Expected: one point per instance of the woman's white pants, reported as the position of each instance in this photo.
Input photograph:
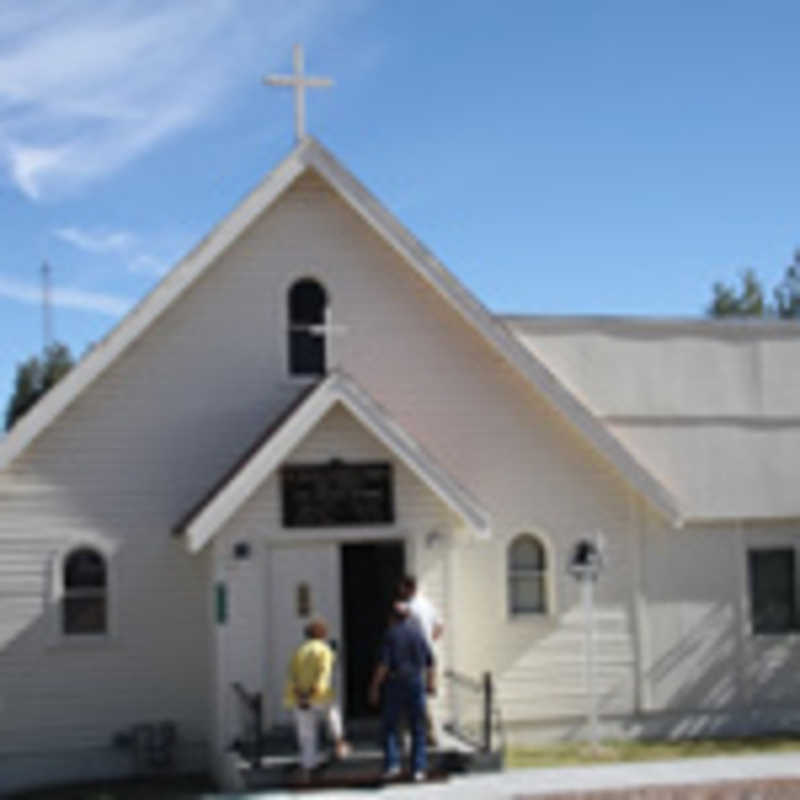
(306, 722)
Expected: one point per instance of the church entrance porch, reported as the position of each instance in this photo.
(351, 585)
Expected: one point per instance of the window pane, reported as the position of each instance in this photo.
(84, 568)
(306, 353)
(84, 614)
(306, 303)
(526, 553)
(527, 593)
(337, 493)
(772, 590)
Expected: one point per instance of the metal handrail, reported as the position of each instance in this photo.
(491, 717)
(252, 702)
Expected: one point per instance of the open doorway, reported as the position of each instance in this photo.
(370, 572)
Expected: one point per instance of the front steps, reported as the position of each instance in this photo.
(277, 766)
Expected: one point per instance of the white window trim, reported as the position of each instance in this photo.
(58, 638)
(547, 574)
(283, 316)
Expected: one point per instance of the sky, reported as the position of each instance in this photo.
(565, 157)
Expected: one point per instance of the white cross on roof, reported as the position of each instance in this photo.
(300, 82)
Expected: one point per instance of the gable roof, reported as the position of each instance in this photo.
(272, 448)
(310, 155)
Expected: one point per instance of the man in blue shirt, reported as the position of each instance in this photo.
(405, 670)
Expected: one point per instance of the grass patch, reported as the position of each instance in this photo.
(145, 789)
(576, 753)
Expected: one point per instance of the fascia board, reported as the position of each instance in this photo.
(543, 380)
(255, 472)
(183, 275)
(397, 441)
(310, 154)
(334, 389)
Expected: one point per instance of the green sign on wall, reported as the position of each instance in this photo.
(221, 603)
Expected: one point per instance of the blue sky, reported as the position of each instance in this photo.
(559, 157)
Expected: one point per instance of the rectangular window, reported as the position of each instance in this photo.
(320, 495)
(772, 590)
(527, 592)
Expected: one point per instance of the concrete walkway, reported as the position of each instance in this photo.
(575, 782)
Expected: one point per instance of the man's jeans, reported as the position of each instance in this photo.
(404, 696)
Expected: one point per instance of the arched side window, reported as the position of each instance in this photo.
(308, 301)
(84, 603)
(527, 576)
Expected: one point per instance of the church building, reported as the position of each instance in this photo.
(310, 404)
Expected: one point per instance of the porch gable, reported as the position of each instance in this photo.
(229, 495)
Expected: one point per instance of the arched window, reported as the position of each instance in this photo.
(527, 576)
(84, 602)
(307, 303)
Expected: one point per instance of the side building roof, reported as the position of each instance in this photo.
(712, 406)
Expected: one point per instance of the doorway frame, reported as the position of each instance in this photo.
(403, 544)
(346, 535)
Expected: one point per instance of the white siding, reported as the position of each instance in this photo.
(148, 438)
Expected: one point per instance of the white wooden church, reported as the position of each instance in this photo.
(310, 403)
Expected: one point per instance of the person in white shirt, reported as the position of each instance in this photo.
(424, 614)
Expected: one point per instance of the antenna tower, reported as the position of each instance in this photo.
(47, 319)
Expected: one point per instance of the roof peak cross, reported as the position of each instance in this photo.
(299, 81)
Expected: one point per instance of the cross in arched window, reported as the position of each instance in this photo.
(329, 330)
(311, 329)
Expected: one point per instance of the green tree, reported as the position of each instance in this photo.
(35, 377)
(787, 292)
(746, 301)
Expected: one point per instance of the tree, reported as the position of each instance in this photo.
(787, 292)
(35, 378)
(746, 302)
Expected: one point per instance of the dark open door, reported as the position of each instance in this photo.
(370, 573)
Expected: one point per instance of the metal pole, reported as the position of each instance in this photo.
(588, 610)
(487, 712)
(47, 325)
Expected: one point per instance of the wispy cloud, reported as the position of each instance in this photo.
(145, 264)
(87, 85)
(62, 297)
(97, 242)
(127, 246)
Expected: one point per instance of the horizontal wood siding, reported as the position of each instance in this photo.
(146, 441)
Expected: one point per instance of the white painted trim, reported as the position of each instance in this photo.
(551, 611)
(494, 331)
(344, 535)
(637, 522)
(310, 154)
(411, 454)
(144, 314)
(336, 388)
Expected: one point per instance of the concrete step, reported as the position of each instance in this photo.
(278, 765)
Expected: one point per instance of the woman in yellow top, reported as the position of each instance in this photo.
(310, 695)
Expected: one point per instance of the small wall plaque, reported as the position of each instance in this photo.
(303, 600)
(221, 603)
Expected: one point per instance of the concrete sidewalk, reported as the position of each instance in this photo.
(759, 776)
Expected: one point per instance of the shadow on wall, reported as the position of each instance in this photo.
(719, 680)
(714, 681)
